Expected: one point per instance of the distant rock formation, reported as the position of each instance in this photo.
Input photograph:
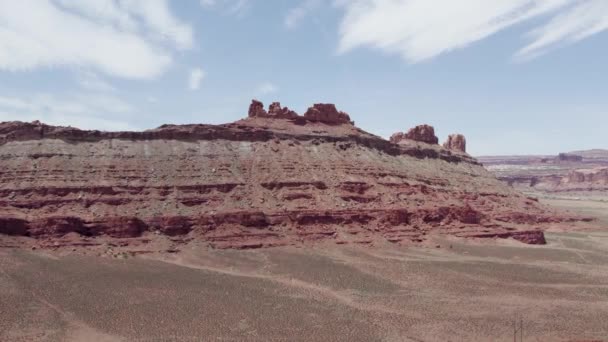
(272, 179)
(597, 176)
(327, 113)
(566, 157)
(256, 110)
(456, 142)
(579, 174)
(275, 110)
(421, 133)
(321, 112)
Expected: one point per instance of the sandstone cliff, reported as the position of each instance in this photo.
(275, 178)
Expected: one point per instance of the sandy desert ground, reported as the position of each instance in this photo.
(462, 291)
(597, 208)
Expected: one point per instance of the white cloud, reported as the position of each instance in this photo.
(87, 111)
(122, 38)
(207, 3)
(296, 14)
(580, 22)
(266, 88)
(422, 29)
(91, 81)
(195, 78)
(238, 8)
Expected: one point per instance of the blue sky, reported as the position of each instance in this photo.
(514, 76)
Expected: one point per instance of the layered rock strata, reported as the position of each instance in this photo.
(273, 179)
(582, 174)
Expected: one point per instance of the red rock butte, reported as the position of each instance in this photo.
(456, 142)
(275, 178)
(422, 133)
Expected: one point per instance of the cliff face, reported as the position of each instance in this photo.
(275, 178)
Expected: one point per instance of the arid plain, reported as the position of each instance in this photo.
(462, 291)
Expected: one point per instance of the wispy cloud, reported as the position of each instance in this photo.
(296, 14)
(266, 88)
(195, 78)
(91, 81)
(207, 3)
(89, 34)
(422, 29)
(581, 21)
(237, 8)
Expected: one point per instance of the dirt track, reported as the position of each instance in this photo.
(470, 291)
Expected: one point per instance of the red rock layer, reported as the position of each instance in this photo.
(272, 179)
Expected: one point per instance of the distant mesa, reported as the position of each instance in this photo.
(456, 142)
(566, 157)
(577, 174)
(275, 178)
(320, 112)
(421, 133)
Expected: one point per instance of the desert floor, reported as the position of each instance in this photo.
(462, 291)
(597, 208)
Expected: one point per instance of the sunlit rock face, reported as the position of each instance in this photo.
(274, 178)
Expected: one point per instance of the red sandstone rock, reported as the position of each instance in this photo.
(422, 133)
(256, 110)
(328, 114)
(276, 111)
(254, 183)
(397, 137)
(456, 142)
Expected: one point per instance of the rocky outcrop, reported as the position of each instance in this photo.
(397, 137)
(271, 179)
(421, 133)
(256, 110)
(325, 113)
(328, 114)
(275, 111)
(456, 142)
